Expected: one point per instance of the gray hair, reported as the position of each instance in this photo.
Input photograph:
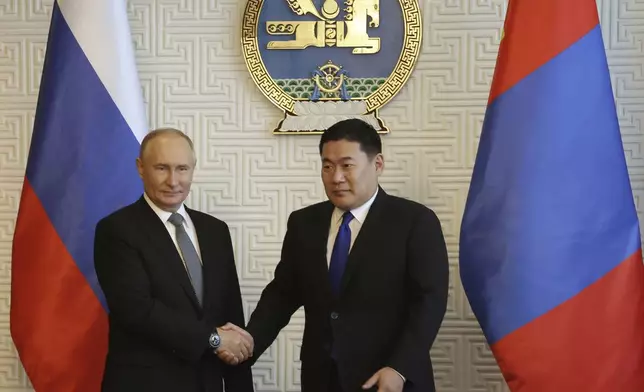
(164, 131)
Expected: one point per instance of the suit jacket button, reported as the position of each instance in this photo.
(334, 315)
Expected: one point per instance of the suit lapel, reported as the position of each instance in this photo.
(160, 238)
(320, 237)
(367, 236)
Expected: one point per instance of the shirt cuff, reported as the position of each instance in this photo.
(401, 376)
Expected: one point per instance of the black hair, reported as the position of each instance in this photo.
(354, 130)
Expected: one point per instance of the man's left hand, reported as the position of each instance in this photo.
(387, 379)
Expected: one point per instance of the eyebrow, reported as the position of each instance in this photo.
(162, 164)
(340, 160)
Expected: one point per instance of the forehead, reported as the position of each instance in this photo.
(342, 149)
(168, 147)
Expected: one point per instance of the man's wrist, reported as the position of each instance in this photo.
(214, 341)
(401, 376)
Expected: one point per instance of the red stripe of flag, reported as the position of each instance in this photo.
(60, 300)
(604, 354)
(534, 34)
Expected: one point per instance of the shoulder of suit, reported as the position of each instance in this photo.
(121, 214)
(403, 202)
(206, 218)
(389, 202)
(312, 210)
(122, 221)
(401, 206)
(132, 211)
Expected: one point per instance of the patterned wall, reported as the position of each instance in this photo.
(193, 76)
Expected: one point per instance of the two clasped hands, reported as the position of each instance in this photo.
(236, 344)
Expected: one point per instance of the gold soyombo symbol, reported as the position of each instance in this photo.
(348, 33)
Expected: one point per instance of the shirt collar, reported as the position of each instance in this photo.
(359, 213)
(165, 215)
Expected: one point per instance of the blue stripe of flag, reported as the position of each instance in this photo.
(82, 158)
(550, 208)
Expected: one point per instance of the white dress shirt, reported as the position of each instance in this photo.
(172, 230)
(359, 216)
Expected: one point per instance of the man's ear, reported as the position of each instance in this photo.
(379, 161)
(139, 166)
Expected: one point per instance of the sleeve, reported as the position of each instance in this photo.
(237, 378)
(280, 299)
(428, 284)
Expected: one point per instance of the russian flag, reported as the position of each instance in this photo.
(550, 252)
(88, 127)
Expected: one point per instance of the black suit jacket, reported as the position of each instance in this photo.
(392, 302)
(158, 332)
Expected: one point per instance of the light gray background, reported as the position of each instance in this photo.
(193, 75)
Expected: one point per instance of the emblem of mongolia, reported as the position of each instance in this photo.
(322, 61)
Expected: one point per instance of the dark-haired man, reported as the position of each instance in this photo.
(371, 271)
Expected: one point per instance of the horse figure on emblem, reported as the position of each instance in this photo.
(357, 14)
(350, 33)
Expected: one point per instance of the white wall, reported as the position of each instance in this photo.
(192, 70)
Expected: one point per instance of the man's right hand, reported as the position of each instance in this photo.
(236, 344)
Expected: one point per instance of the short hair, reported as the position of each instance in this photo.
(163, 131)
(354, 130)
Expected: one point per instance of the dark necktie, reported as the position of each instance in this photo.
(190, 255)
(340, 253)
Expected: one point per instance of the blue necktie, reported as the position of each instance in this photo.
(340, 253)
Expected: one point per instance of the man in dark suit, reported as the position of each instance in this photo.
(169, 277)
(371, 271)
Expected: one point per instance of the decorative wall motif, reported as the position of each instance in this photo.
(194, 77)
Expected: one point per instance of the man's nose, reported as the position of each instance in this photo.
(172, 179)
(338, 176)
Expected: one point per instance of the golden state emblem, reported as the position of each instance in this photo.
(322, 61)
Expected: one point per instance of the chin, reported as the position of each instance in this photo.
(341, 203)
(171, 203)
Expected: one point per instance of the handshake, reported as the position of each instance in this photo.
(236, 344)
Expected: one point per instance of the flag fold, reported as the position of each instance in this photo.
(550, 252)
(81, 166)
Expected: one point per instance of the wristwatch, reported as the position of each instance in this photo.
(214, 340)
